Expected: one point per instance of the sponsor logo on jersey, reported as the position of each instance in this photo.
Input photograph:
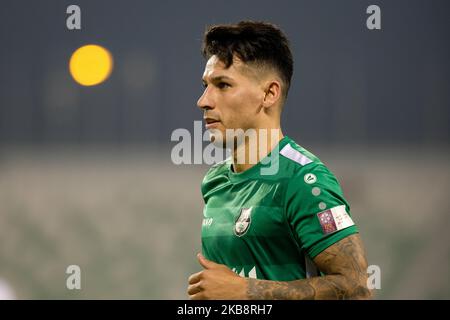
(207, 222)
(334, 219)
(310, 178)
(243, 222)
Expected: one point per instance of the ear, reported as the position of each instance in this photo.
(272, 93)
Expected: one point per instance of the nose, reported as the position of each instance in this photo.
(205, 101)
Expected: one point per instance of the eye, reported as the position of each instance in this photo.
(223, 85)
(204, 85)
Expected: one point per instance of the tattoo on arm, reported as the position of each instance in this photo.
(345, 268)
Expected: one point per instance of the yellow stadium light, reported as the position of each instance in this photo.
(90, 65)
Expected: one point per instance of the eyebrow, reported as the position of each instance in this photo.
(218, 78)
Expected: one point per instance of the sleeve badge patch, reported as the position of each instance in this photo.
(334, 219)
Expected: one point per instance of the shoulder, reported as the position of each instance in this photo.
(305, 170)
(312, 188)
(297, 160)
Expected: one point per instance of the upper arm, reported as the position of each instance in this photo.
(317, 212)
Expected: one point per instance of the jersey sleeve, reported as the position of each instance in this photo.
(316, 209)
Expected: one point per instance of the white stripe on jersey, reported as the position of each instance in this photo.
(295, 155)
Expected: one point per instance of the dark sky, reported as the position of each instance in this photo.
(350, 84)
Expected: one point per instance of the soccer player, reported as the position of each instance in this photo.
(286, 234)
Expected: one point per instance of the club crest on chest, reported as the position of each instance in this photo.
(243, 222)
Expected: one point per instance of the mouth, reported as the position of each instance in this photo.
(211, 123)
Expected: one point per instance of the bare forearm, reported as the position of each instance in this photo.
(326, 287)
(345, 266)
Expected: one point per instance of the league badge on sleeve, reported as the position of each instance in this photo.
(334, 219)
(327, 221)
(243, 222)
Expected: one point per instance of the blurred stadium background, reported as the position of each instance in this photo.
(85, 172)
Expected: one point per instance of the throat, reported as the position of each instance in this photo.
(254, 148)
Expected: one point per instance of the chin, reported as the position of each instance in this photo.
(217, 138)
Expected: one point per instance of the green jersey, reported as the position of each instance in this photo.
(271, 226)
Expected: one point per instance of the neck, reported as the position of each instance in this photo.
(255, 147)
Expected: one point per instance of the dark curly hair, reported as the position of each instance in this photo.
(261, 43)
